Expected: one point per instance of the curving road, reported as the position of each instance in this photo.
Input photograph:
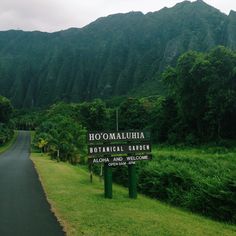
(24, 210)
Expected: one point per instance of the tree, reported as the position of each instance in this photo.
(221, 95)
(204, 89)
(6, 109)
(132, 115)
(6, 131)
(93, 115)
(42, 143)
(61, 136)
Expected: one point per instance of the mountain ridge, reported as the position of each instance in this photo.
(180, 4)
(112, 56)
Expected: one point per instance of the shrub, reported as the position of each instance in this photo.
(205, 185)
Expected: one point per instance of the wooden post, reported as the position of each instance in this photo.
(90, 173)
(107, 181)
(132, 181)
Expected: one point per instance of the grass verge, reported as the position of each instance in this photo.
(7, 145)
(82, 209)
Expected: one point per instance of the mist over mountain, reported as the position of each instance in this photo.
(116, 55)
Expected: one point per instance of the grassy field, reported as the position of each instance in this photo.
(208, 161)
(82, 209)
(220, 153)
(9, 143)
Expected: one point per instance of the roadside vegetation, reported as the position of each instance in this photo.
(82, 209)
(201, 180)
(6, 126)
(9, 143)
(192, 126)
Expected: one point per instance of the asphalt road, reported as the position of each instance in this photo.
(24, 210)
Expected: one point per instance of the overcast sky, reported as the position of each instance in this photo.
(55, 15)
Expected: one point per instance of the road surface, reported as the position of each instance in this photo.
(24, 210)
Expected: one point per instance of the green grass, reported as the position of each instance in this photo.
(206, 160)
(203, 161)
(7, 145)
(205, 152)
(82, 209)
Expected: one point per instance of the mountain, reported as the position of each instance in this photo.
(116, 55)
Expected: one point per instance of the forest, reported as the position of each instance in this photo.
(122, 54)
(192, 129)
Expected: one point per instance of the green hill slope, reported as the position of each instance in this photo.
(83, 210)
(113, 56)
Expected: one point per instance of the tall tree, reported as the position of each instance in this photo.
(221, 95)
(204, 88)
(6, 109)
(132, 114)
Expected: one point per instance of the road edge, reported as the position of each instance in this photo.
(10, 143)
(53, 209)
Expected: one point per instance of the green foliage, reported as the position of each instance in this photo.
(61, 135)
(122, 54)
(166, 183)
(201, 180)
(221, 95)
(6, 110)
(27, 119)
(6, 134)
(132, 115)
(204, 89)
(83, 209)
(6, 131)
(93, 115)
(119, 55)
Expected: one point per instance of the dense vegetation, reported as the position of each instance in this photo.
(192, 102)
(202, 180)
(203, 89)
(6, 131)
(200, 107)
(74, 200)
(112, 56)
(60, 135)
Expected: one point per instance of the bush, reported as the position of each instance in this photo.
(169, 184)
(217, 200)
(63, 138)
(5, 134)
(203, 185)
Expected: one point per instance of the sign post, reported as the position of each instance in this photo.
(107, 181)
(119, 149)
(132, 181)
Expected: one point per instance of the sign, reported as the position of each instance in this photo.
(117, 136)
(119, 159)
(119, 149)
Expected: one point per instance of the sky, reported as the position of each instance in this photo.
(56, 15)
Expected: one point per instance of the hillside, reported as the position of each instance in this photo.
(113, 56)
